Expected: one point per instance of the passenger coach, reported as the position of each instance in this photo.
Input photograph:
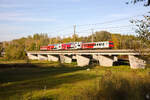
(79, 45)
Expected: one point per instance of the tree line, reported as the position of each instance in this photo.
(16, 49)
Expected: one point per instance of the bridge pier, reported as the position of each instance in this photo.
(74, 57)
(32, 56)
(82, 60)
(42, 57)
(106, 60)
(65, 59)
(115, 58)
(136, 62)
(53, 58)
(95, 56)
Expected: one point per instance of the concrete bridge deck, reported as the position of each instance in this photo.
(83, 57)
(86, 52)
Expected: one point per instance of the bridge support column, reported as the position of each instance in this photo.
(42, 57)
(65, 59)
(32, 56)
(95, 56)
(136, 62)
(82, 61)
(74, 57)
(106, 60)
(53, 58)
(115, 58)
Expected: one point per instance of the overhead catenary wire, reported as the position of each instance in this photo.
(61, 31)
(115, 27)
(116, 20)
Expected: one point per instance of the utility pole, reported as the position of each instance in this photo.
(57, 39)
(50, 39)
(36, 45)
(74, 27)
(92, 35)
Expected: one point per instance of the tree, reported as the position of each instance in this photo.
(1, 47)
(116, 40)
(102, 36)
(75, 37)
(143, 29)
(147, 2)
(16, 49)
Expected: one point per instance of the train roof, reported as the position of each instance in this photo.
(78, 42)
(96, 42)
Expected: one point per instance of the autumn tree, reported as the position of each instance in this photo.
(75, 38)
(15, 49)
(39, 40)
(102, 36)
(143, 30)
(116, 38)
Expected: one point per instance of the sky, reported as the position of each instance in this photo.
(21, 18)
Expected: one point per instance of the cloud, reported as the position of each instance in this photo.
(11, 5)
(73, 0)
(28, 19)
(23, 17)
(5, 28)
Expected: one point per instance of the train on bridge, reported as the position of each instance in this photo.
(78, 45)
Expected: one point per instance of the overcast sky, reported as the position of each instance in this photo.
(20, 18)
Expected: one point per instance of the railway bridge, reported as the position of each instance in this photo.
(83, 57)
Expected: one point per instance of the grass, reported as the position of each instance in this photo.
(54, 81)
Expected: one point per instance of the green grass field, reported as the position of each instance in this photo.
(54, 81)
